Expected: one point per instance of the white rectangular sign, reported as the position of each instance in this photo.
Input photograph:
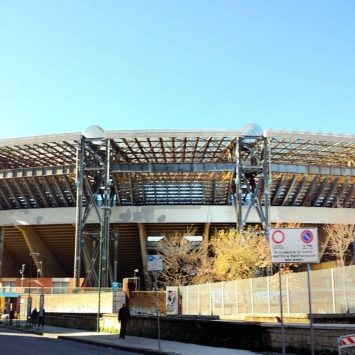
(154, 263)
(172, 302)
(294, 245)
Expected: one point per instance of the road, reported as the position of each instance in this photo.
(19, 343)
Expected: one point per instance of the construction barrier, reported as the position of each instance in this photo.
(346, 341)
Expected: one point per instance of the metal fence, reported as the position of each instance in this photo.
(332, 291)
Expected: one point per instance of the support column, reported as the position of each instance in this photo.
(34, 243)
(79, 211)
(252, 177)
(206, 231)
(143, 244)
(9, 265)
(95, 188)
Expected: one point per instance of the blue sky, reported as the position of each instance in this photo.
(67, 65)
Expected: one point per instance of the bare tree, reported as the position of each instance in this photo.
(341, 236)
(181, 258)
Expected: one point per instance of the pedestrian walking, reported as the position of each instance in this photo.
(12, 316)
(123, 317)
(41, 315)
(34, 316)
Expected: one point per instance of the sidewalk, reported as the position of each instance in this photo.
(138, 344)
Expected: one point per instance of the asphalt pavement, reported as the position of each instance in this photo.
(130, 343)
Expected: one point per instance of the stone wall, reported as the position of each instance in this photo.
(75, 321)
(145, 302)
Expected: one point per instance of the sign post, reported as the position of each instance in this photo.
(295, 245)
(155, 264)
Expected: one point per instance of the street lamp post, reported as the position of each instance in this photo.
(135, 278)
(39, 269)
(22, 271)
(29, 301)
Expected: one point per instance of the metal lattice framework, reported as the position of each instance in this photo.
(138, 168)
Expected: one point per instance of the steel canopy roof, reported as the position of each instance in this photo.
(177, 167)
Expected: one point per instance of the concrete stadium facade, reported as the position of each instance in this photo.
(83, 199)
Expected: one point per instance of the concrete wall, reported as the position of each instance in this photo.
(179, 214)
(74, 303)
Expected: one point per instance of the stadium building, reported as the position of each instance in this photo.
(74, 204)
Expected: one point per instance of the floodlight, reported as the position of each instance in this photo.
(252, 130)
(94, 132)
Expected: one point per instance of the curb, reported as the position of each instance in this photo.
(20, 329)
(104, 344)
(117, 346)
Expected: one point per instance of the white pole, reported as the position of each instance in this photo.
(157, 301)
(223, 298)
(236, 297)
(198, 300)
(268, 294)
(333, 289)
(310, 307)
(287, 295)
(210, 299)
(251, 295)
(281, 314)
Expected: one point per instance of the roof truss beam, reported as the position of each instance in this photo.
(225, 166)
(41, 171)
(177, 167)
(312, 170)
(171, 167)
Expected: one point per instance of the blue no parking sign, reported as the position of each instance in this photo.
(307, 236)
(154, 263)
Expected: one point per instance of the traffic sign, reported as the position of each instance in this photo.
(115, 286)
(154, 263)
(294, 245)
(278, 236)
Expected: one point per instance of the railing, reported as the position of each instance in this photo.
(332, 291)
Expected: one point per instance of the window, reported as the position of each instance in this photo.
(60, 286)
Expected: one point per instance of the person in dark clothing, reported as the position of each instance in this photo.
(123, 317)
(34, 316)
(41, 314)
(12, 316)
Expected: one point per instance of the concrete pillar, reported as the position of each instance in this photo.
(206, 231)
(50, 265)
(7, 263)
(9, 266)
(143, 244)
